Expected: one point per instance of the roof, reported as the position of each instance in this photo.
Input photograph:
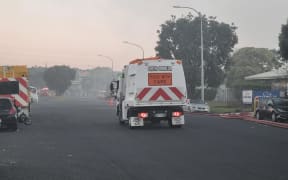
(281, 73)
(136, 61)
(140, 61)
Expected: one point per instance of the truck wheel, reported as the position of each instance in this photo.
(22, 118)
(121, 122)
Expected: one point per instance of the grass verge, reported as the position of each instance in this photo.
(221, 107)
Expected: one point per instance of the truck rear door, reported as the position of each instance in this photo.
(162, 84)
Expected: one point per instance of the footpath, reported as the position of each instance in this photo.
(249, 116)
(246, 116)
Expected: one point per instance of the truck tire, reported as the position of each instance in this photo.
(121, 122)
(22, 118)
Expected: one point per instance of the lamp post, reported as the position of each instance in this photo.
(112, 63)
(137, 45)
(202, 60)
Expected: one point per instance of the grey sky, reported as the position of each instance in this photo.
(74, 32)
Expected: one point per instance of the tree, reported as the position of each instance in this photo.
(181, 38)
(59, 78)
(250, 61)
(36, 76)
(283, 41)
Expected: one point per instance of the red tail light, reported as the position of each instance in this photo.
(143, 115)
(177, 114)
(12, 111)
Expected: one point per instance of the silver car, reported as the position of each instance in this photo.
(197, 106)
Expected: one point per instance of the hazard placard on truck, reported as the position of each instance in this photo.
(159, 79)
(152, 90)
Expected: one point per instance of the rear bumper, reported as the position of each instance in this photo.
(7, 121)
(155, 112)
(138, 122)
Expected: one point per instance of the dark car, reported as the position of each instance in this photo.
(275, 109)
(8, 114)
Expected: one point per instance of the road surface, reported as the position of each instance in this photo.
(80, 138)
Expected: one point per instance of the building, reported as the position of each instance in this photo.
(278, 78)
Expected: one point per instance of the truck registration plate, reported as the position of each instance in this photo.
(160, 115)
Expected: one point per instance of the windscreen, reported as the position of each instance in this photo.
(9, 87)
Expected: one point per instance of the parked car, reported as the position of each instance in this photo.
(197, 106)
(44, 92)
(8, 114)
(275, 109)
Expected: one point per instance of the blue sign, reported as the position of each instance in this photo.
(266, 94)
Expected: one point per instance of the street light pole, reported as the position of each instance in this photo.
(112, 63)
(202, 61)
(137, 45)
(202, 58)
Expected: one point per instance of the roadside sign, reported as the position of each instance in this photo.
(266, 94)
(247, 96)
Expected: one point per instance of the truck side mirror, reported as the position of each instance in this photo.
(114, 86)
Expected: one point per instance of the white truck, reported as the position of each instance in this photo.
(151, 89)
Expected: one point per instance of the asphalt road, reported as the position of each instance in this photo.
(79, 139)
